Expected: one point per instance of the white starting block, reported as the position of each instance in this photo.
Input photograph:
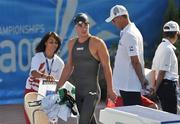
(137, 115)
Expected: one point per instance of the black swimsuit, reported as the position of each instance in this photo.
(86, 69)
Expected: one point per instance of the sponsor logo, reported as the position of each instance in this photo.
(80, 48)
(131, 48)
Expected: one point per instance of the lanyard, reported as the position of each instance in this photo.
(47, 65)
(49, 68)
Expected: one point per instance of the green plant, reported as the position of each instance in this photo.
(173, 13)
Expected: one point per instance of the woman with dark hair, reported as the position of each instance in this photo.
(45, 64)
(42, 46)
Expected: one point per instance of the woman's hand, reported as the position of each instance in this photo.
(48, 77)
(111, 94)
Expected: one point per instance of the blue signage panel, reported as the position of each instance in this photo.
(23, 23)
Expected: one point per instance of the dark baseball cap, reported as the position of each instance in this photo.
(81, 18)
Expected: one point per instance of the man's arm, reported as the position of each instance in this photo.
(159, 79)
(105, 62)
(153, 73)
(138, 69)
(68, 66)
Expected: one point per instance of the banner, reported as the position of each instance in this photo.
(23, 23)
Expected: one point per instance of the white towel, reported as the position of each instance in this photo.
(53, 110)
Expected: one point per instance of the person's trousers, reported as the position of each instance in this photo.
(131, 98)
(167, 96)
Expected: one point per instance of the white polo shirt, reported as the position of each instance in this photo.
(130, 44)
(38, 63)
(166, 60)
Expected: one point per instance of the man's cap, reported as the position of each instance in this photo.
(115, 11)
(81, 18)
(171, 26)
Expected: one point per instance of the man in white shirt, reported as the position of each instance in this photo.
(128, 73)
(165, 68)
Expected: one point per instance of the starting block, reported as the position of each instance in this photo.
(137, 114)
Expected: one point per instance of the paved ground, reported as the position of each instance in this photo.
(13, 114)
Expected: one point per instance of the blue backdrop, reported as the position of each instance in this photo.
(23, 23)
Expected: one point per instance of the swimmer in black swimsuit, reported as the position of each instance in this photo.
(86, 52)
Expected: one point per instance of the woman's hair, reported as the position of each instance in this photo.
(41, 46)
